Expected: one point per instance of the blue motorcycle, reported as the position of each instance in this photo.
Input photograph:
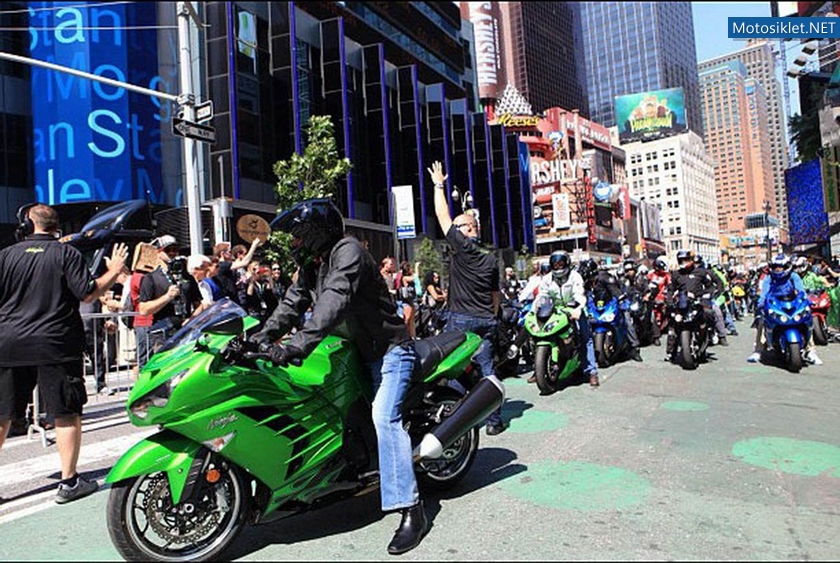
(787, 326)
(609, 332)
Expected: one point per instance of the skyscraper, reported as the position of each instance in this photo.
(676, 174)
(633, 47)
(542, 43)
(737, 139)
(759, 61)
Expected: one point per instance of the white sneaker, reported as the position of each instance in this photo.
(812, 358)
(754, 357)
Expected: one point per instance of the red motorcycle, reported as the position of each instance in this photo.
(820, 304)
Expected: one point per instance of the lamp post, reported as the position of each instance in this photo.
(767, 228)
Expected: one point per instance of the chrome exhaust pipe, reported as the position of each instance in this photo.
(485, 397)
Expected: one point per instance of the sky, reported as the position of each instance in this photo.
(710, 34)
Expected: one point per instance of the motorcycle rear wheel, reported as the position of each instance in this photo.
(445, 472)
(793, 357)
(547, 381)
(686, 355)
(142, 506)
(820, 332)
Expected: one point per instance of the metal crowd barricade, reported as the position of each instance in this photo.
(114, 352)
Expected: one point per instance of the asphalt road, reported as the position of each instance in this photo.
(733, 461)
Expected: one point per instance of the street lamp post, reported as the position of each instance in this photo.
(767, 229)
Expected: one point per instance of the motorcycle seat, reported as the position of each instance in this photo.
(430, 351)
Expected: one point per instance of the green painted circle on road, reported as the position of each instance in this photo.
(800, 457)
(533, 421)
(684, 406)
(574, 485)
(515, 381)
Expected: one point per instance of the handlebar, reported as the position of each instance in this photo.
(297, 362)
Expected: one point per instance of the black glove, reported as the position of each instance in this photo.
(283, 355)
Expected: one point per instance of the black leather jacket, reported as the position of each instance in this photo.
(697, 282)
(351, 300)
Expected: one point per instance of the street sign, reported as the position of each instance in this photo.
(184, 128)
(204, 111)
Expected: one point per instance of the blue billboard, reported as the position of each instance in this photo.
(92, 141)
(807, 219)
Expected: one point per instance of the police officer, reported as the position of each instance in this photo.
(352, 300)
(42, 339)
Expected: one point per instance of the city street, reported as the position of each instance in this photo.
(731, 461)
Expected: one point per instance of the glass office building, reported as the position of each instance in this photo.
(633, 47)
(397, 79)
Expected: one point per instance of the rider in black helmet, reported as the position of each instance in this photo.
(352, 301)
(630, 289)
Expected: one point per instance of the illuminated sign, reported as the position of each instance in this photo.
(95, 142)
(554, 171)
(517, 121)
(489, 65)
(590, 132)
(650, 115)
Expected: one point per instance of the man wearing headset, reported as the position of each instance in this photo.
(42, 338)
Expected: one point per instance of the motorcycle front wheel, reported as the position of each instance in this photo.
(547, 380)
(145, 525)
(602, 357)
(794, 357)
(446, 471)
(686, 355)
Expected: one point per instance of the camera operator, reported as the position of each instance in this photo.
(168, 293)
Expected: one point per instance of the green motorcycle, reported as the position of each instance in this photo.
(242, 441)
(554, 344)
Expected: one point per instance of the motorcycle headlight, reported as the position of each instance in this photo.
(549, 327)
(608, 317)
(678, 317)
(158, 397)
(176, 379)
(783, 318)
(140, 409)
(634, 307)
(797, 317)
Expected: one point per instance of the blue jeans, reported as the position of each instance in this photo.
(586, 347)
(486, 329)
(391, 378)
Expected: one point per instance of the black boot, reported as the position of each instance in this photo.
(635, 355)
(413, 527)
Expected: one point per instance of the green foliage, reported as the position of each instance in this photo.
(429, 258)
(805, 128)
(315, 173)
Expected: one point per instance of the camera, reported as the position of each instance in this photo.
(178, 271)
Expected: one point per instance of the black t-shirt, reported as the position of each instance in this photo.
(42, 282)
(226, 280)
(473, 276)
(157, 282)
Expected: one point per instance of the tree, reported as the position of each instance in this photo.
(805, 128)
(429, 258)
(315, 173)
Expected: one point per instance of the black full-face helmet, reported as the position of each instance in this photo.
(561, 266)
(685, 260)
(588, 269)
(315, 224)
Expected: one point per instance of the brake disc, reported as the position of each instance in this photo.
(173, 524)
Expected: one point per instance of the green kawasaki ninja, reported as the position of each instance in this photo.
(242, 440)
